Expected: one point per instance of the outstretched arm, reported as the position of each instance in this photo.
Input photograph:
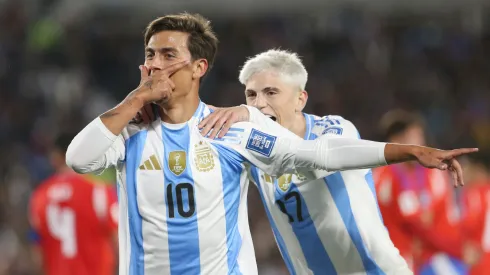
(335, 154)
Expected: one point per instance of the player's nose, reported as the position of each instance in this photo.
(156, 64)
(259, 102)
(153, 69)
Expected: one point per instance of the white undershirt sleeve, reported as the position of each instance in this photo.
(277, 155)
(95, 149)
(337, 154)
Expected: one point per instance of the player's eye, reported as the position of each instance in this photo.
(149, 55)
(169, 56)
(251, 95)
(271, 93)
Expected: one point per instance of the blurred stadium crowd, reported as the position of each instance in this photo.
(56, 77)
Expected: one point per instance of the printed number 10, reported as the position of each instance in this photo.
(179, 189)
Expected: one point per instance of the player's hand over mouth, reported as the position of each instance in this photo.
(153, 88)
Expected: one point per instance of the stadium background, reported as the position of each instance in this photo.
(63, 62)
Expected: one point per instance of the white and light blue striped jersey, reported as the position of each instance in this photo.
(183, 197)
(442, 264)
(328, 223)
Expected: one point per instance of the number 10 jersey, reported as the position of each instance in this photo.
(183, 197)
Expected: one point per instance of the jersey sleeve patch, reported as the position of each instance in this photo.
(261, 143)
(333, 131)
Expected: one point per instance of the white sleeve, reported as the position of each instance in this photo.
(331, 126)
(95, 149)
(277, 155)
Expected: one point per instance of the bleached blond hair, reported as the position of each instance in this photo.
(286, 64)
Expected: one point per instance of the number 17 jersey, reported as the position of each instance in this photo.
(324, 222)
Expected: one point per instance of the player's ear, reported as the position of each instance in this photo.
(199, 68)
(302, 99)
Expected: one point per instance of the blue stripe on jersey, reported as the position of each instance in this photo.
(231, 166)
(304, 228)
(199, 111)
(277, 234)
(134, 149)
(237, 129)
(447, 262)
(336, 185)
(309, 123)
(232, 135)
(183, 236)
(370, 182)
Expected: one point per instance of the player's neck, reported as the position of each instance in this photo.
(180, 110)
(297, 125)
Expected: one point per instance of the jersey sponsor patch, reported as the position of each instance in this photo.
(260, 142)
(333, 131)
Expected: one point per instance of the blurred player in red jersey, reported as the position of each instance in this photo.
(74, 221)
(476, 215)
(417, 204)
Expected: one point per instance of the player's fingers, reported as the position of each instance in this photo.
(442, 166)
(170, 70)
(143, 72)
(218, 125)
(226, 127)
(454, 175)
(459, 171)
(463, 151)
(208, 123)
(165, 88)
(171, 84)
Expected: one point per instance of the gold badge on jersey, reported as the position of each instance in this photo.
(284, 181)
(177, 162)
(204, 158)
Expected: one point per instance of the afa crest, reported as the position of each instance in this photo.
(177, 162)
(203, 157)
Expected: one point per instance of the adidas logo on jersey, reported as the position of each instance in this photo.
(151, 164)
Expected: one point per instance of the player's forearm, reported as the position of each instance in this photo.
(395, 153)
(86, 152)
(117, 118)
